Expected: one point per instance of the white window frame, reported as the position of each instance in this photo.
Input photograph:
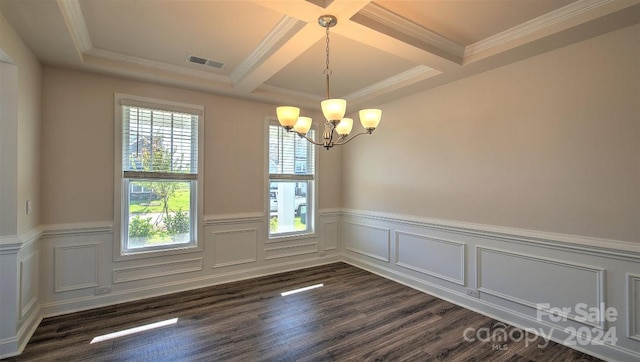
(121, 183)
(312, 192)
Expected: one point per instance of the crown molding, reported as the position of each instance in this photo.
(278, 36)
(151, 64)
(413, 75)
(383, 16)
(72, 14)
(291, 92)
(533, 26)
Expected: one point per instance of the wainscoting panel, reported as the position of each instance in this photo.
(633, 306)
(330, 235)
(28, 292)
(504, 273)
(76, 267)
(559, 284)
(233, 247)
(285, 251)
(438, 258)
(371, 241)
(496, 271)
(155, 270)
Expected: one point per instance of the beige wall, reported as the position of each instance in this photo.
(78, 151)
(27, 132)
(551, 143)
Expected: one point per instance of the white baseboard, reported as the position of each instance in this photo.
(389, 245)
(85, 303)
(14, 346)
(508, 274)
(519, 320)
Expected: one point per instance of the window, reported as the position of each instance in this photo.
(291, 183)
(159, 175)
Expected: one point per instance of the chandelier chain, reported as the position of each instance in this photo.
(337, 127)
(327, 70)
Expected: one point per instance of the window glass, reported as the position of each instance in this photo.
(159, 179)
(291, 183)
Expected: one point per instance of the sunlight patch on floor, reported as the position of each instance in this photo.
(129, 331)
(284, 294)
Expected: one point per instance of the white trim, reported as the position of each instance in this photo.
(72, 14)
(534, 25)
(197, 261)
(80, 228)
(14, 346)
(153, 290)
(403, 79)
(25, 308)
(302, 251)
(387, 18)
(330, 212)
(12, 244)
(235, 231)
(228, 219)
(460, 245)
(508, 316)
(196, 244)
(366, 253)
(633, 307)
(310, 232)
(623, 250)
(600, 283)
(286, 27)
(156, 66)
(325, 233)
(57, 283)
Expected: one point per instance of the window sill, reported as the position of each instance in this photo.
(155, 253)
(277, 239)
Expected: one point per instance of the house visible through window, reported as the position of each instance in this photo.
(160, 176)
(291, 183)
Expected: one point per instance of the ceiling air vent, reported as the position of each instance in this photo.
(207, 62)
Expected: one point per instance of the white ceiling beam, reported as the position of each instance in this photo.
(294, 34)
(72, 14)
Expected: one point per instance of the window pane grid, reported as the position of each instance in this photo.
(159, 141)
(290, 154)
(291, 183)
(159, 178)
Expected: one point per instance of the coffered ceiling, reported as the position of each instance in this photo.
(274, 51)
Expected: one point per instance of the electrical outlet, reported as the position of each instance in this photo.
(102, 290)
(29, 209)
(473, 293)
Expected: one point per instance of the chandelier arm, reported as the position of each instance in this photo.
(349, 139)
(309, 139)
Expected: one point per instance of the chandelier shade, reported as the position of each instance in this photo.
(344, 127)
(337, 127)
(370, 118)
(334, 109)
(288, 116)
(303, 125)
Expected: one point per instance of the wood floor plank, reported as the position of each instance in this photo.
(355, 316)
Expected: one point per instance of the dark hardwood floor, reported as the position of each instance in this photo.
(355, 316)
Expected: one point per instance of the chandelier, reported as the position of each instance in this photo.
(337, 127)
